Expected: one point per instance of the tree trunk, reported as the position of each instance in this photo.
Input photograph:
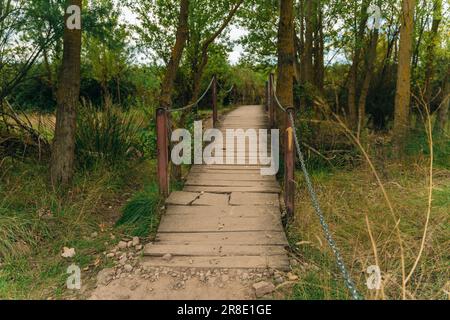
(165, 100)
(418, 43)
(285, 56)
(318, 48)
(403, 90)
(68, 93)
(371, 56)
(308, 56)
(442, 116)
(204, 51)
(119, 96)
(353, 75)
(431, 51)
(297, 60)
(387, 58)
(301, 42)
(48, 69)
(198, 75)
(285, 94)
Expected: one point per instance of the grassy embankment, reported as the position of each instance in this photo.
(363, 219)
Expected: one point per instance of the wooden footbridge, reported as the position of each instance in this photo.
(227, 216)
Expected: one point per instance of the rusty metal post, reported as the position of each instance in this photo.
(289, 165)
(162, 151)
(214, 101)
(271, 102)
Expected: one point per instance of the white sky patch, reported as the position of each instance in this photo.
(128, 16)
(236, 33)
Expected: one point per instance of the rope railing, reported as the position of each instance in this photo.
(163, 129)
(226, 91)
(194, 104)
(279, 105)
(272, 96)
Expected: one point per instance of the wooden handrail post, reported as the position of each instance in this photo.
(162, 151)
(214, 101)
(266, 97)
(271, 102)
(289, 165)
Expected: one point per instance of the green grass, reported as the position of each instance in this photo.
(313, 286)
(36, 223)
(418, 145)
(321, 279)
(141, 214)
(442, 196)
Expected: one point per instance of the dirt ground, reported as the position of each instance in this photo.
(167, 287)
(133, 278)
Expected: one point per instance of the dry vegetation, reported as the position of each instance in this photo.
(363, 204)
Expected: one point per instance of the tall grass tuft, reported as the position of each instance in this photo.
(15, 232)
(105, 135)
(141, 214)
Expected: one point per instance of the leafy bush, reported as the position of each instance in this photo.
(147, 132)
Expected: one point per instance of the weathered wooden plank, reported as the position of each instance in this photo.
(234, 213)
(231, 183)
(226, 224)
(280, 262)
(159, 250)
(219, 189)
(244, 198)
(231, 176)
(211, 199)
(228, 167)
(224, 238)
(182, 198)
(200, 212)
(236, 173)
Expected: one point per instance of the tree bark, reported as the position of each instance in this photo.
(353, 75)
(285, 94)
(301, 42)
(403, 90)
(442, 116)
(431, 51)
(318, 47)
(387, 58)
(165, 100)
(308, 56)
(371, 57)
(297, 63)
(204, 52)
(48, 69)
(420, 29)
(286, 56)
(68, 93)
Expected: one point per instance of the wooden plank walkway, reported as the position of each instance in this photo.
(227, 216)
